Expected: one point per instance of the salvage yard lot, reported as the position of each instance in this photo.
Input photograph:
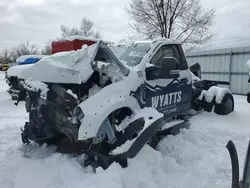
(197, 157)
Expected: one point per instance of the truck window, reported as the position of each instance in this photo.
(166, 51)
(134, 54)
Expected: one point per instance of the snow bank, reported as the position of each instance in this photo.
(150, 116)
(34, 85)
(16, 70)
(216, 92)
(195, 158)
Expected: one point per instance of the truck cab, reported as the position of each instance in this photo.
(166, 78)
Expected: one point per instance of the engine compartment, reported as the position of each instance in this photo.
(52, 111)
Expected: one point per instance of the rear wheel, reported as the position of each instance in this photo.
(226, 106)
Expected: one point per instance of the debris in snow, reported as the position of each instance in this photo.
(69, 91)
(150, 115)
(216, 92)
(34, 85)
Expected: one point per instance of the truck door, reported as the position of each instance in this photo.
(168, 81)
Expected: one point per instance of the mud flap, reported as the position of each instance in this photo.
(246, 172)
(235, 164)
(143, 138)
(248, 97)
(96, 159)
(245, 183)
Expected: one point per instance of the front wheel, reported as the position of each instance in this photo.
(226, 106)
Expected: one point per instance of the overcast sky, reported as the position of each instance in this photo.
(38, 21)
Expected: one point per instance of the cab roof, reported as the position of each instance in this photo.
(159, 40)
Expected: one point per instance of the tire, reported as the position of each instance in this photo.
(226, 106)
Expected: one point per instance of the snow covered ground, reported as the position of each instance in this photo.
(195, 158)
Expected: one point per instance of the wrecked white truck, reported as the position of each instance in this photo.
(89, 101)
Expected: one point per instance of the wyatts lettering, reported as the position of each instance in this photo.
(166, 100)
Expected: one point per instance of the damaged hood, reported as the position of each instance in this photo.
(71, 67)
(17, 69)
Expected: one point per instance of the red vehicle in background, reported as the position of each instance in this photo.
(73, 43)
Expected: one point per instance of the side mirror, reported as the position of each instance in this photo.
(170, 68)
(152, 73)
(196, 69)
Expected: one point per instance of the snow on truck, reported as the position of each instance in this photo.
(12, 75)
(90, 101)
(25, 61)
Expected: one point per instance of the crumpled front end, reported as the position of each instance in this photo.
(50, 109)
(53, 94)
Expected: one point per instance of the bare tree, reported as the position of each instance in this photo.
(184, 20)
(5, 56)
(47, 49)
(24, 49)
(86, 29)
(66, 31)
(97, 35)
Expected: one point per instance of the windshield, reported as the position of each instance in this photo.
(134, 54)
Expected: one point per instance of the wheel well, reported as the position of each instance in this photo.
(120, 114)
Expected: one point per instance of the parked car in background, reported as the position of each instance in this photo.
(4, 67)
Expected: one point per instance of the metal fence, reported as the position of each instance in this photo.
(224, 65)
